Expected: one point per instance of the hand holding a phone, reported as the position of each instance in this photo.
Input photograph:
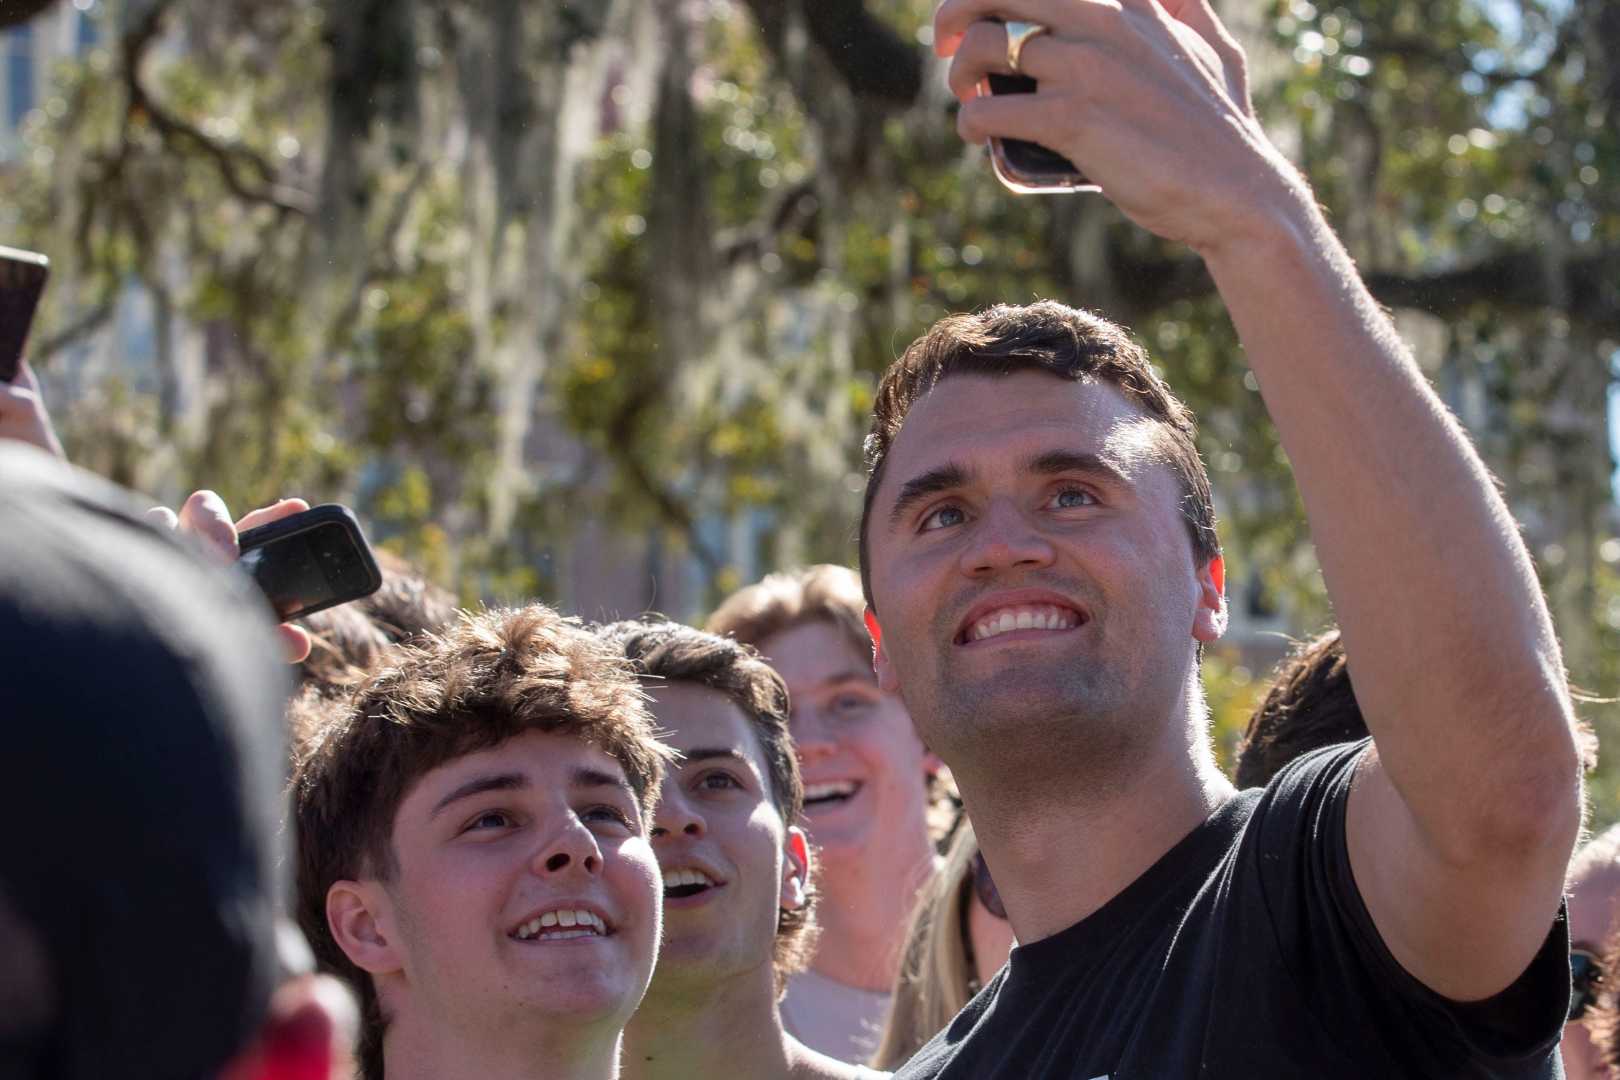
(205, 516)
(1149, 98)
(23, 415)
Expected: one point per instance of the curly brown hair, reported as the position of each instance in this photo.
(1064, 342)
(671, 652)
(491, 676)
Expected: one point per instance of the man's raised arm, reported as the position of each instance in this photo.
(1464, 816)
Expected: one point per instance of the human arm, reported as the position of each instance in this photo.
(23, 415)
(1463, 816)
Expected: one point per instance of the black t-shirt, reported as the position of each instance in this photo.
(1246, 952)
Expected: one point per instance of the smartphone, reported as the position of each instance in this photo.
(310, 561)
(1026, 167)
(22, 280)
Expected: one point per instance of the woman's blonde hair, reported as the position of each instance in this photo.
(937, 976)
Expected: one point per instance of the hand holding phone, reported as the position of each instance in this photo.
(22, 280)
(23, 416)
(1025, 167)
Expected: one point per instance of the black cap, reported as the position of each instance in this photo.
(141, 702)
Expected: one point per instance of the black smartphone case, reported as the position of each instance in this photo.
(315, 517)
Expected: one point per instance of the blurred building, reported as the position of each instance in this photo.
(27, 55)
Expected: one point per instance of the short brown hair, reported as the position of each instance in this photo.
(345, 645)
(490, 677)
(778, 602)
(1311, 704)
(408, 605)
(1062, 341)
(670, 652)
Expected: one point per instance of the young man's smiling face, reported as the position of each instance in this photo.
(525, 889)
(1030, 565)
(865, 770)
(729, 862)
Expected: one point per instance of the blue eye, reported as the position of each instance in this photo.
(1071, 497)
(607, 813)
(943, 518)
(491, 819)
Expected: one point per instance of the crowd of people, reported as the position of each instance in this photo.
(952, 814)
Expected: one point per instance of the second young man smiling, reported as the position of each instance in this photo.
(737, 900)
(867, 780)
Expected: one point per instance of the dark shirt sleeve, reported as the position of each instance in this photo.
(1328, 942)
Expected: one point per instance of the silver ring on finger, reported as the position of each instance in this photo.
(1018, 34)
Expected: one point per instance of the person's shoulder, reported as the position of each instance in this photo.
(807, 1064)
(1316, 773)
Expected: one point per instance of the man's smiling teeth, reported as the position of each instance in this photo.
(832, 790)
(676, 878)
(563, 925)
(1006, 620)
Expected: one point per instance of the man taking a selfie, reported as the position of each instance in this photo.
(1042, 571)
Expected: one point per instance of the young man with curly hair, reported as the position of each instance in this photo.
(738, 907)
(473, 851)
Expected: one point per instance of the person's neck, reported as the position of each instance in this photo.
(1062, 846)
(865, 907)
(730, 1027)
(418, 1052)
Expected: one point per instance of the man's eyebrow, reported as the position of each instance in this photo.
(585, 777)
(1053, 462)
(710, 753)
(480, 784)
(850, 675)
(935, 480)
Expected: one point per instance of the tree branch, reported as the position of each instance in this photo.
(621, 442)
(1457, 62)
(82, 327)
(1511, 279)
(791, 211)
(230, 157)
(876, 64)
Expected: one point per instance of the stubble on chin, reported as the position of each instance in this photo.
(1053, 715)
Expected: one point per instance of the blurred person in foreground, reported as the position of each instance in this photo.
(138, 874)
(1043, 569)
(958, 939)
(738, 912)
(866, 797)
(473, 852)
(1589, 1043)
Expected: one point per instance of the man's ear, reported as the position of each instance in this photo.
(886, 677)
(1209, 617)
(359, 916)
(795, 869)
